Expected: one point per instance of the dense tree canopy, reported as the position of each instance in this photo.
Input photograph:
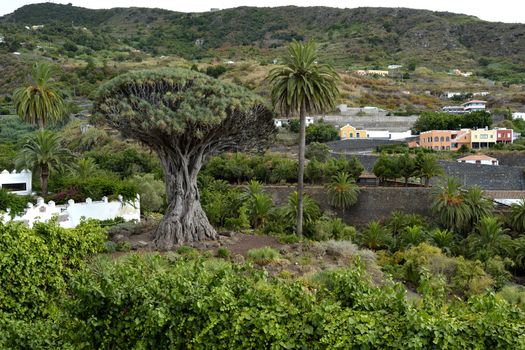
(183, 116)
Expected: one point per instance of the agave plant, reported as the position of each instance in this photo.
(342, 191)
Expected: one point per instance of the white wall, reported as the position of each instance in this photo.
(377, 134)
(400, 135)
(14, 177)
(70, 215)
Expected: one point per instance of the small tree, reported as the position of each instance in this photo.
(43, 153)
(317, 151)
(183, 116)
(342, 191)
(427, 167)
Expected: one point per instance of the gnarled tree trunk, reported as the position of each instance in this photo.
(184, 220)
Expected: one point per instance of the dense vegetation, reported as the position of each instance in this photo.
(444, 121)
(153, 301)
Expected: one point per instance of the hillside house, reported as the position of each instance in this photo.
(474, 106)
(372, 72)
(17, 182)
(479, 159)
(281, 123)
(483, 138)
(349, 132)
(518, 115)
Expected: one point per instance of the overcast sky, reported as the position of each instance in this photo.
(510, 11)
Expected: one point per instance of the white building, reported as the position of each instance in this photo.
(17, 183)
(518, 115)
(342, 108)
(280, 123)
(378, 134)
(71, 214)
(479, 159)
(474, 106)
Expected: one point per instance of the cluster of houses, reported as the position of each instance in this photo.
(348, 132)
(472, 138)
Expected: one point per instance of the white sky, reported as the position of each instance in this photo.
(510, 11)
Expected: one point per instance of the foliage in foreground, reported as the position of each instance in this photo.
(151, 301)
(36, 264)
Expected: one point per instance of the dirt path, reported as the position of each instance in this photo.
(242, 243)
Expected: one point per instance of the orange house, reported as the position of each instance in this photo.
(436, 139)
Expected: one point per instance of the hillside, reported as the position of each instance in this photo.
(365, 37)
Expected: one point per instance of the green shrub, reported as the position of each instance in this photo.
(123, 246)
(223, 253)
(263, 256)
(15, 203)
(36, 264)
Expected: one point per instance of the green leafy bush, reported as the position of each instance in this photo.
(14, 202)
(36, 264)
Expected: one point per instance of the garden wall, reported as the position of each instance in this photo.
(70, 214)
(374, 203)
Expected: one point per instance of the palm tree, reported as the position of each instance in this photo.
(311, 209)
(411, 236)
(259, 207)
(84, 168)
(427, 167)
(479, 205)
(489, 239)
(450, 206)
(375, 236)
(519, 251)
(517, 216)
(342, 191)
(40, 102)
(443, 239)
(43, 153)
(303, 86)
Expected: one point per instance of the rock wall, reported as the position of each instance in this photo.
(488, 177)
(374, 203)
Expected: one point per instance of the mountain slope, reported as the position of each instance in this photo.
(348, 37)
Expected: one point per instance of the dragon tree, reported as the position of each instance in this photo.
(183, 116)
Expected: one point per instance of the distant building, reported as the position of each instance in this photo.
(214, 9)
(372, 72)
(467, 107)
(518, 115)
(342, 108)
(436, 139)
(281, 123)
(395, 66)
(17, 182)
(483, 138)
(349, 132)
(504, 135)
(474, 106)
(479, 159)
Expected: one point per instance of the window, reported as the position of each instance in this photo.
(429, 139)
(351, 135)
(478, 161)
(15, 187)
(344, 134)
(448, 138)
(436, 139)
(442, 139)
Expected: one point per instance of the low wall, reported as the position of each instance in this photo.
(488, 177)
(70, 214)
(374, 203)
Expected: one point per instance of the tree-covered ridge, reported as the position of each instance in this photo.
(348, 36)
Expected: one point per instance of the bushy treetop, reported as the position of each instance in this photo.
(183, 108)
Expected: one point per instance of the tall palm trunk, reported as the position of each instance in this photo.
(300, 176)
(44, 175)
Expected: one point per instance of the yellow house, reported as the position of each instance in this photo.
(483, 138)
(349, 132)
